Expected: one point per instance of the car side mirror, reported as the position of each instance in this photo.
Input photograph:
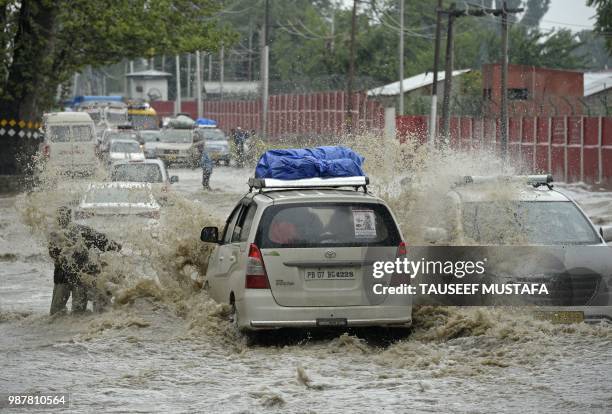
(210, 235)
(606, 233)
(435, 235)
(174, 179)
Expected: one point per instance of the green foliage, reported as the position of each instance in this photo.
(46, 41)
(603, 23)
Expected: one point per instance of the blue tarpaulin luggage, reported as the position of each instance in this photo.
(323, 162)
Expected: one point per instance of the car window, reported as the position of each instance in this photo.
(327, 225)
(59, 133)
(82, 133)
(125, 147)
(231, 222)
(532, 222)
(243, 225)
(148, 173)
(180, 136)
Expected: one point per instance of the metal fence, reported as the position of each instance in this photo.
(572, 148)
(322, 113)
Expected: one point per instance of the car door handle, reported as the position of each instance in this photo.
(232, 259)
(220, 258)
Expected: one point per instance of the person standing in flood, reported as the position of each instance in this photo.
(74, 271)
(207, 168)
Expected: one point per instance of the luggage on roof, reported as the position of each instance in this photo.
(323, 162)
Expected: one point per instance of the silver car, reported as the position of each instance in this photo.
(527, 211)
(299, 257)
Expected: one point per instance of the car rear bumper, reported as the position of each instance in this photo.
(258, 310)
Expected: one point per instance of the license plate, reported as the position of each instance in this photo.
(331, 322)
(329, 274)
(561, 316)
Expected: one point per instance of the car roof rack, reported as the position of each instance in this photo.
(314, 182)
(534, 180)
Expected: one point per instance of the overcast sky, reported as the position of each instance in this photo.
(571, 14)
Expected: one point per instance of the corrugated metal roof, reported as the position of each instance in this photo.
(412, 83)
(595, 82)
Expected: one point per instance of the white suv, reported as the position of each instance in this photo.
(299, 254)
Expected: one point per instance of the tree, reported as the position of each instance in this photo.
(45, 41)
(603, 23)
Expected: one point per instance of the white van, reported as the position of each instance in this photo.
(70, 143)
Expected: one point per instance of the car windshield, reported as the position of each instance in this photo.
(532, 222)
(212, 134)
(122, 135)
(146, 173)
(327, 225)
(125, 147)
(103, 195)
(150, 136)
(179, 136)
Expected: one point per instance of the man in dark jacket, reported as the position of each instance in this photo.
(74, 270)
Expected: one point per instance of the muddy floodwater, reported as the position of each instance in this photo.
(166, 347)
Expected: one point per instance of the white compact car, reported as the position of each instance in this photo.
(125, 149)
(522, 211)
(119, 208)
(296, 254)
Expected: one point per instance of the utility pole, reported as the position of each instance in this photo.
(189, 93)
(401, 59)
(448, 79)
(503, 122)
(480, 11)
(177, 105)
(265, 72)
(433, 115)
(221, 70)
(199, 85)
(351, 71)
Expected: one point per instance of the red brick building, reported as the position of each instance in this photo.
(534, 90)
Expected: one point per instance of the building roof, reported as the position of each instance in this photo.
(412, 83)
(149, 74)
(595, 82)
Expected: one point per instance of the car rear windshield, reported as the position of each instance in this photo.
(122, 135)
(63, 133)
(532, 222)
(143, 173)
(149, 136)
(327, 225)
(125, 147)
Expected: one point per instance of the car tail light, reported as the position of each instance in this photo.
(150, 214)
(402, 249)
(81, 215)
(402, 278)
(46, 150)
(256, 276)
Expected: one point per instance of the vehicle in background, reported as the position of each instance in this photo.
(117, 134)
(106, 111)
(118, 208)
(215, 142)
(142, 116)
(148, 171)
(148, 140)
(69, 144)
(125, 149)
(175, 146)
(529, 212)
(294, 254)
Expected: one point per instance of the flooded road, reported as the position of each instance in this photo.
(166, 347)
